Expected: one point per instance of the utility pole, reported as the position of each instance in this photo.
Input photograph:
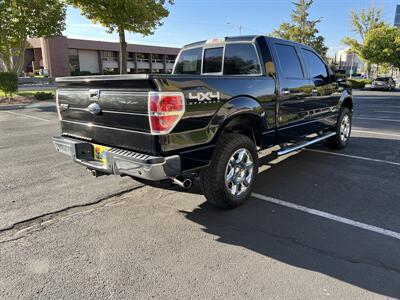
(237, 26)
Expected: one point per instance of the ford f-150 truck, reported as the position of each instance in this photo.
(226, 99)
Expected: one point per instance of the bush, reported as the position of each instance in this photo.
(356, 84)
(44, 96)
(368, 80)
(8, 83)
(81, 73)
(111, 72)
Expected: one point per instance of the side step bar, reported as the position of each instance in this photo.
(304, 144)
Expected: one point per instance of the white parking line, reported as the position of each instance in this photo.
(356, 157)
(376, 119)
(376, 132)
(329, 216)
(24, 115)
(386, 112)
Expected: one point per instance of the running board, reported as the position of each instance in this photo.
(304, 144)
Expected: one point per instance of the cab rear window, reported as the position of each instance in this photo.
(189, 62)
(235, 59)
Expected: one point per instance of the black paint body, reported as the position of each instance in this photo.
(273, 108)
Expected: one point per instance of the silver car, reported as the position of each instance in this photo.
(383, 83)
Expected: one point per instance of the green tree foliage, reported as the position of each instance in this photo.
(382, 46)
(301, 29)
(137, 16)
(20, 19)
(8, 83)
(362, 23)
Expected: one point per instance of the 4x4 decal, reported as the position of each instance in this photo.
(206, 97)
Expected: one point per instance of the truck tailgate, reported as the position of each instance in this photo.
(110, 110)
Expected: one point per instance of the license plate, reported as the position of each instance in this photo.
(99, 153)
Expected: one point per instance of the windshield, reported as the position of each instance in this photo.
(382, 79)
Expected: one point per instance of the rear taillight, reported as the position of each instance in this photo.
(165, 111)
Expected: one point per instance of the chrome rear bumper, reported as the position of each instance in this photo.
(120, 162)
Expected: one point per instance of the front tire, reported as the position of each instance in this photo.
(229, 179)
(343, 130)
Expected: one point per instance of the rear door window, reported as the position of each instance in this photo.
(289, 61)
(241, 59)
(189, 62)
(213, 60)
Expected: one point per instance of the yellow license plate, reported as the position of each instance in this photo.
(100, 153)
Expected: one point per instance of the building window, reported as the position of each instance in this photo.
(73, 58)
(143, 57)
(109, 56)
(171, 59)
(157, 58)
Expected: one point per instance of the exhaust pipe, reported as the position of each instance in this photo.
(186, 183)
(96, 173)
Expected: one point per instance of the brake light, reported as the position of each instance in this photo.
(165, 111)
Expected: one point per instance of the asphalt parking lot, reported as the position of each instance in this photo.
(320, 224)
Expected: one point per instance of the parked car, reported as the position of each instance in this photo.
(226, 100)
(397, 82)
(383, 83)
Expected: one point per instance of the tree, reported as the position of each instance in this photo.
(382, 46)
(20, 19)
(362, 23)
(302, 29)
(137, 16)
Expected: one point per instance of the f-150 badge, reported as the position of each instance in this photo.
(207, 97)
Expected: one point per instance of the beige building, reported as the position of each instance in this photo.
(346, 60)
(62, 56)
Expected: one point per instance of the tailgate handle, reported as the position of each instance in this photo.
(94, 94)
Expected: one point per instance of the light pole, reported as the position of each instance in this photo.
(352, 63)
(237, 26)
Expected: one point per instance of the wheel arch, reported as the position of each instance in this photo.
(243, 115)
(346, 101)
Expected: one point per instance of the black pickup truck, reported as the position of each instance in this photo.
(226, 100)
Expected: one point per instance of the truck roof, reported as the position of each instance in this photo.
(241, 38)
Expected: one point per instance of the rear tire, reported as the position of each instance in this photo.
(343, 130)
(228, 181)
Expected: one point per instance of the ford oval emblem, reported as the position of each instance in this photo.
(94, 108)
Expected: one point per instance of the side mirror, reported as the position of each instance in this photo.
(270, 68)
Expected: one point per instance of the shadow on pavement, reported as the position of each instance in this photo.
(359, 257)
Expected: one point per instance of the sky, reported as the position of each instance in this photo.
(195, 20)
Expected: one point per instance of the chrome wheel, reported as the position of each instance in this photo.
(239, 172)
(345, 128)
